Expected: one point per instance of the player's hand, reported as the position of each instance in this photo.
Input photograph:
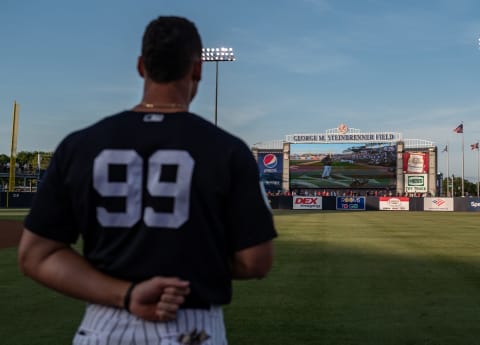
(159, 298)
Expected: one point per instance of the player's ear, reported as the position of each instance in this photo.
(140, 67)
(197, 71)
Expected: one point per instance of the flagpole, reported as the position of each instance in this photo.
(39, 161)
(448, 168)
(453, 191)
(463, 163)
(447, 190)
(459, 130)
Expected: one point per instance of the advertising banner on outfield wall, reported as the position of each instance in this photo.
(270, 166)
(351, 203)
(438, 204)
(416, 183)
(415, 162)
(391, 203)
(473, 204)
(307, 203)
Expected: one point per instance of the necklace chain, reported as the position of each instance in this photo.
(163, 106)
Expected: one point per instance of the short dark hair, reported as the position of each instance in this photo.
(169, 47)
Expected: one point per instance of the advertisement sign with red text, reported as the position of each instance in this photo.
(307, 202)
(391, 203)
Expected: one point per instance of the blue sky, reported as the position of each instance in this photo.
(302, 66)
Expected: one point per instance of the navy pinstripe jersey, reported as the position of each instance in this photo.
(155, 194)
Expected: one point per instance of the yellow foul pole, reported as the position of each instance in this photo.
(13, 148)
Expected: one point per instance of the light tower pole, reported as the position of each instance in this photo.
(217, 55)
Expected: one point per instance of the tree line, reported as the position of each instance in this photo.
(29, 158)
(470, 188)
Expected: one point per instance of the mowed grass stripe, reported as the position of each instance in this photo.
(338, 278)
(366, 278)
(13, 213)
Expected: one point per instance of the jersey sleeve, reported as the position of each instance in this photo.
(51, 213)
(249, 214)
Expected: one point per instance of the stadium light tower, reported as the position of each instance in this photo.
(217, 55)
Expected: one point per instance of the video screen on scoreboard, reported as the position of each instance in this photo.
(350, 165)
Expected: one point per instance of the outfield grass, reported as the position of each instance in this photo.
(29, 313)
(365, 278)
(13, 213)
(339, 278)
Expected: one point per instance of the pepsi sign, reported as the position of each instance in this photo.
(270, 161)
(270, 169)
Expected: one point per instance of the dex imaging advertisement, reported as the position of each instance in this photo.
(307, 203)
(270, 167)
(341, 166)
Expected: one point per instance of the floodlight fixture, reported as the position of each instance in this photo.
(218, 54)
(221, 54)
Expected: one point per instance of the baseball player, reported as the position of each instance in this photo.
(327, 166)
(168, 206)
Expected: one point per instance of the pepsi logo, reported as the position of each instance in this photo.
(270, 161)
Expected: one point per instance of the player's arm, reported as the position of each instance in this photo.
(58, 266)
(253, 262)
(250, 220)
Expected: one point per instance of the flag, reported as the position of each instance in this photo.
(445, 149)
(474, 146)
(459, 128)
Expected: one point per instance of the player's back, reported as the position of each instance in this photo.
(156, 194)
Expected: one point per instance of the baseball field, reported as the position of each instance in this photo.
(339, 278)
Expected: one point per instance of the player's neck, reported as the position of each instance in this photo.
(165, 97)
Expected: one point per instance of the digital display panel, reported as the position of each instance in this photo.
(346, 165)
(415, 162)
